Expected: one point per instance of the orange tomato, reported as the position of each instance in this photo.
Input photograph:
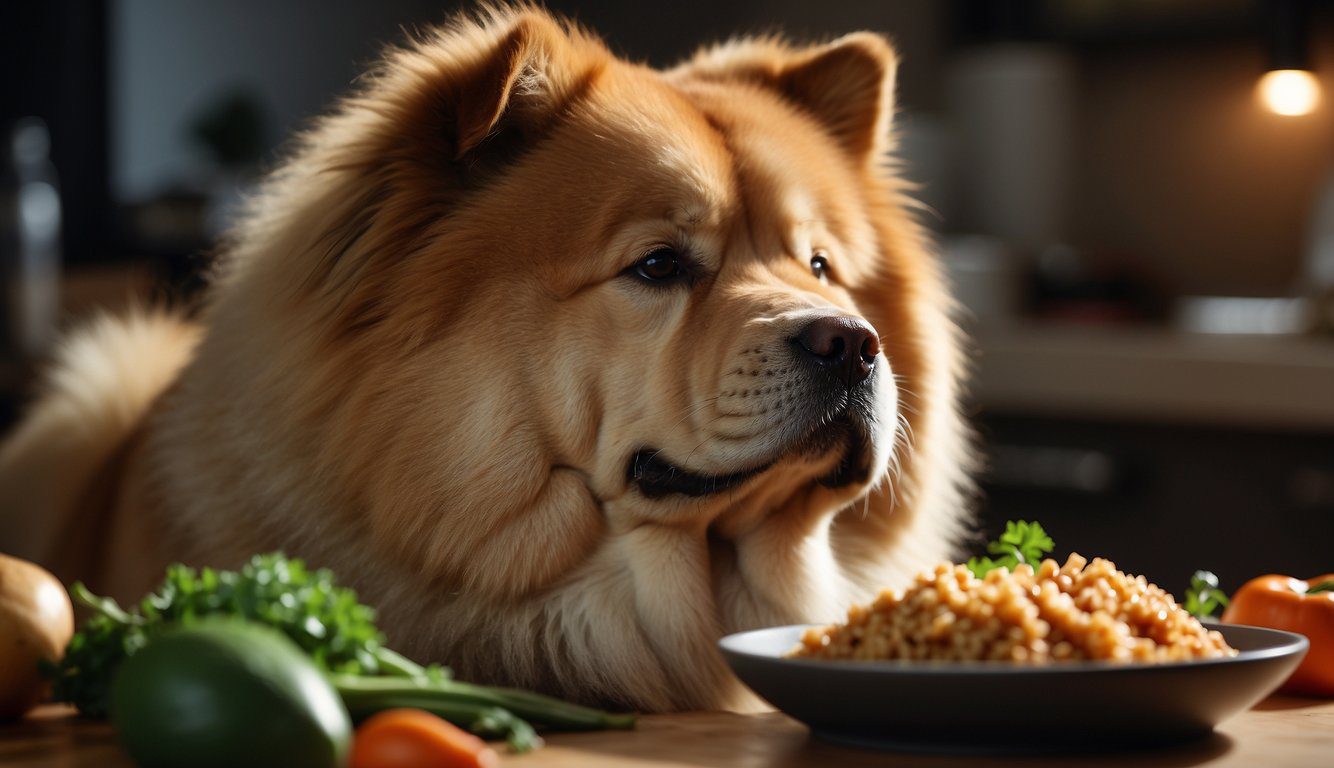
(1305, 607)
(413, 738)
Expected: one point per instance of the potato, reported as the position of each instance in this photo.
(36, 622)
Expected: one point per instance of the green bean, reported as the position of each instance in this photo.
(362, 701)
(542, 710)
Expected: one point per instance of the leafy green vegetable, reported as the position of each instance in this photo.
(1203, 597)
(83, 677)
(1022, 542)
(328, 623)
(324, 620)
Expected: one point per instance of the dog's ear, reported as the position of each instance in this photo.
(848, 85)
(519, 83)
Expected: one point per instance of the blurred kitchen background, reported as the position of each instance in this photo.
(1134, 199)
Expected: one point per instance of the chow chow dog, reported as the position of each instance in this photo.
(569, 365)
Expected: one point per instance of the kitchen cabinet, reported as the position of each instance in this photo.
(1165, 452)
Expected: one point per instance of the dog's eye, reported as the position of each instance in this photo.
(820, 265)
(661, 265)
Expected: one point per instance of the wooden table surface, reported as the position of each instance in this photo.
(1279, 733)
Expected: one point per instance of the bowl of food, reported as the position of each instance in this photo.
(1015, 658)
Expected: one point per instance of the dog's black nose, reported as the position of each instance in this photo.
(843, 345)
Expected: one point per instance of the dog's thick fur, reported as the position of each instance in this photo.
(424, 364)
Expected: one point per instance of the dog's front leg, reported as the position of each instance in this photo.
(785, 569)
(674, 604)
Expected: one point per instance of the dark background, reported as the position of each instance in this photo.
(1088, 167)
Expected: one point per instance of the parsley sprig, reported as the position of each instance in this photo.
(1022, 542)
(1203, 597)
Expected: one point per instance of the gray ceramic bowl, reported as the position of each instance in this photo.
(996, 707)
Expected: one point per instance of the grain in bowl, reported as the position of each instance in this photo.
(1078, 611)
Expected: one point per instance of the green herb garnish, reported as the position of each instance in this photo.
(1022, 542)
(1203, 597)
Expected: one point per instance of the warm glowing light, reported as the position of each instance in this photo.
(1289, 91)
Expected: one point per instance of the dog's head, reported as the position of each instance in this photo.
(556, 296)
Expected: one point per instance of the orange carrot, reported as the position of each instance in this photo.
(413, 738)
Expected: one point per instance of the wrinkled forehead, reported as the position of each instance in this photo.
(792, 184)
(729, 163)
(651, 134)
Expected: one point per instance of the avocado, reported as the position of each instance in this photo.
(225, 693)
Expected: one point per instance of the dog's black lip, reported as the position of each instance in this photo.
(656, 477)
(844, 424)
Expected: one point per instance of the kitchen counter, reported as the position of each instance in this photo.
(1281, 732)
(1155, 375)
